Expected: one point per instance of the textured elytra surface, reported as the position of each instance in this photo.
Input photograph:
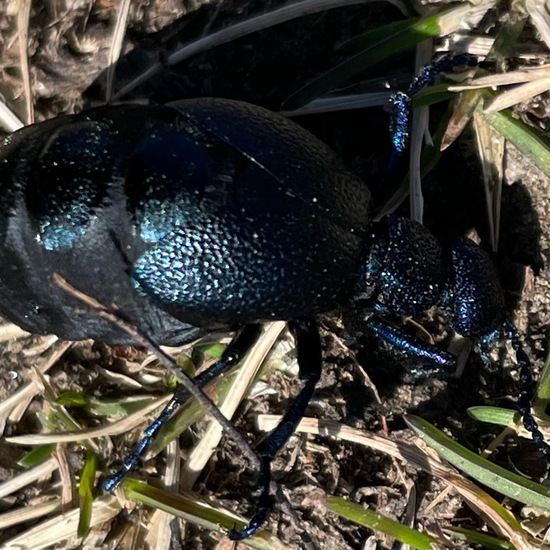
(191, 210)
(66, 51)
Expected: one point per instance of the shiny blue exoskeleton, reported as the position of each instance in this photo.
(213, 213)
(400, 102)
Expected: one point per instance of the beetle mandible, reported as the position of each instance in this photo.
(186, 219)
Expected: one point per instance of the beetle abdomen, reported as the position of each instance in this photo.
(177, 216)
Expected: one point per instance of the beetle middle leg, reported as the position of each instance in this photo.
(309, 354)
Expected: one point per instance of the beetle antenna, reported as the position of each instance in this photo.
(401, 102)
(444, 64)
(526, 391)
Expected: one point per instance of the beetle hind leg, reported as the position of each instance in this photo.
(309, 353)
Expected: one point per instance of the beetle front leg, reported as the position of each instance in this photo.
(433, 362)
(309, 354)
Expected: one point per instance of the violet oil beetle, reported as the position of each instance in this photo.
(184, 217)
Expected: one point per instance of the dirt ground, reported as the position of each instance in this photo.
(68, 55)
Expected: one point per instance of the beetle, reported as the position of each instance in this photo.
(211, 213)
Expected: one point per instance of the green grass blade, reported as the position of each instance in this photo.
(197, 512)
(523, 137)
(377, 522)
(481, 539)
(37, 455)
(495, 415)
(484, 471)
(86, 494)
(542, 394)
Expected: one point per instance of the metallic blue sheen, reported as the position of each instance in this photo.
(65, 221)
(438, 361)
(401, 102)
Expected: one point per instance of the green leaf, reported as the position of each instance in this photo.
(542, 394)
(481, 539)
(523, 137)
(377, 522)
(494, 415)
(105, 407)
(73, 399)
(197, 512)
(211, 349)
(379, 35)
(37, 455)
(86, 494)
(484, 471)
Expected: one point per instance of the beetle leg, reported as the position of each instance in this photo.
(236, 350)
(400, 102)
(434, 362)
(232, 355)
(309, 353)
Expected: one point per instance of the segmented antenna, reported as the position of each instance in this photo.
(526, 392)
(400, 102)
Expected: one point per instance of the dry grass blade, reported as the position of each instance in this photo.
(67, 484)
(476, 497)
(424, 54)
(332, 104)
(122, 426)
(159, 536)
(26, 478)
(465, 42)
(490, 146)
(539, 12)
(23, 13)
(527, 74)
(119, 32)
(30, 389)
(63, 526)
(512, 97)
(9, 121)
(29, 513)
(9, 331)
